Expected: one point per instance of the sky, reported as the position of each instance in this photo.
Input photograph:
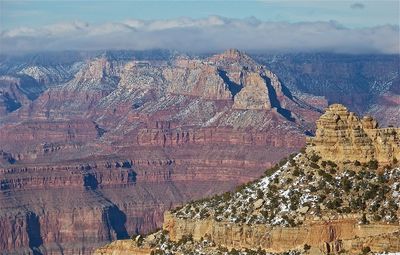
(319, 25)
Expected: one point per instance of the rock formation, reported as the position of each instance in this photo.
(326, 237)
(367, 85)
(308, 203)
(341, 136)
(188, 127)
(113, 147)
(254, 94)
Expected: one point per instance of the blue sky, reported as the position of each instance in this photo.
(352, 14)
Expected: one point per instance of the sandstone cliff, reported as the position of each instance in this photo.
(342, 136)
(324, 236)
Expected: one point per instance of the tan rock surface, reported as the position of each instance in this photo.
(326, 235)
(254, 94)
(122, 247)
(342, 136)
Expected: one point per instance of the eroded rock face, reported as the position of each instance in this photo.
(174, 122)
(254, 94)
(196, 80)
(330, 236)
(292, 208)
(16, 91)
(342, 136)
(122, 247)
(94, 203)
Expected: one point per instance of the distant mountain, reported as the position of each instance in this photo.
(365, 83)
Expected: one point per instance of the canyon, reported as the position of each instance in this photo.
(96, 147)
(101, 156)
(309, 204)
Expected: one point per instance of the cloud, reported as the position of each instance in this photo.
(210, 34)
(357, 6)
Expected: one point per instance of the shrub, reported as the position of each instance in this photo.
(364, 220)
(327, 177)
(351, 173)
(346, 184)
(139, 240)
(234, 252)
(260, 194)
(346, 209)
(222, 249)
(315, 158)
(332, 171)
(296, 171)
(377, 217)
(365, 250)
(282, 162)
(331, 163)
(357, 163)
(241, 187)
(226, 196)
(313, 165)
(381, 178)
(373, 164)
(395, 161)
(307, 247)
(185, 239)
(260, 251)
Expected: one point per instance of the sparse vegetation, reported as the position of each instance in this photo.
(283, 194)
(366, 250)
(373, 164)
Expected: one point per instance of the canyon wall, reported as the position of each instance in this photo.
(329, 236)
(102, 155)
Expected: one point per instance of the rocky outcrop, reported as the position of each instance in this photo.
(99, 73)
(254, 94)
(122, 247)
(329, 236)
(367, 85)
(196, 79)
(17, 91)
(341, 136)
(303, 204)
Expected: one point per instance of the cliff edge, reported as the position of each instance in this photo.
(341, 194)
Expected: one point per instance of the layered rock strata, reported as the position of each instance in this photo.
(309, 203)
(187, 127)
(342, 136)
(325, 236)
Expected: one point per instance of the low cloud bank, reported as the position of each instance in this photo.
(204, 35)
